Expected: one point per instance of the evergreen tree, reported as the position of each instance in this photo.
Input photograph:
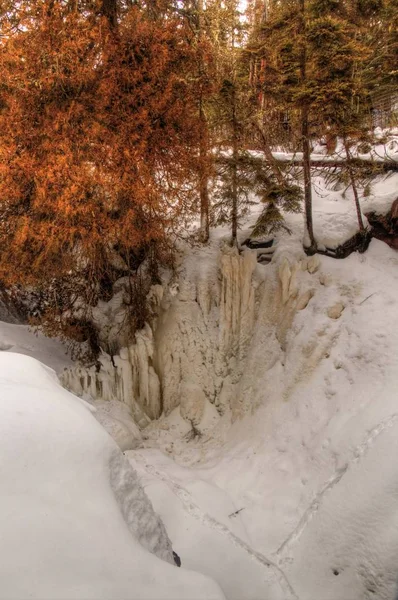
(278, 198)
(313, 56)
(233, 110)
(97, 127)
(283, 76)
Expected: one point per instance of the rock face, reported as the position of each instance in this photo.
(198, 347)
(385, 227)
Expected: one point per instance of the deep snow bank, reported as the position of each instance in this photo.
(74, 520)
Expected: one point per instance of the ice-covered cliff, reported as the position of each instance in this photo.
(199, 350)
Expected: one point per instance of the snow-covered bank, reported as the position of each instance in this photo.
(21, 339)
(74, 520)
(272, 463)
(309, 469)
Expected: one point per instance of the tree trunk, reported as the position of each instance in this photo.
(50, 8)
(203, 145)
(307, 178)
(353, 185)
(305, 138)
(109, 10)
(203, 175)
(269, 156)
(235, 153)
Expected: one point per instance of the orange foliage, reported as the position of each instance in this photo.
(97, 131)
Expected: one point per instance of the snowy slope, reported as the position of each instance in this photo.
(22, 339)
(311, 467)
(308, 467)
(290, 491)
(311, 470)
(74, 520)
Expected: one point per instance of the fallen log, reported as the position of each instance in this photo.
(382, 166)
(357, 243)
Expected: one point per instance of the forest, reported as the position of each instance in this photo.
(123, 123)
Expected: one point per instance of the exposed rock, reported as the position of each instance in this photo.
(357, 243)
(255, 244)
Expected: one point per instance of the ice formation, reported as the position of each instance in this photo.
(196, 349)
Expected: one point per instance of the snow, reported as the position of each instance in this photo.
(383, 193)
(384, 147)
(272, 464)
(335, 218)
(308, 466)
(23, 340)
(75, 522)
(117, 419)
(334, 214)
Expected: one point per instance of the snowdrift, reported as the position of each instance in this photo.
(74, 520)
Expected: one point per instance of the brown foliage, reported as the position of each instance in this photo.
(97, 126)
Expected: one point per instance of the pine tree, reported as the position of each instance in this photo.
(233, 110)
(271, 183)
(283, 77)
(313, 56)
(278, 198)
(197, 19)
(97, 128)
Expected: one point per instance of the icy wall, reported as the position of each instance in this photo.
(199, 349)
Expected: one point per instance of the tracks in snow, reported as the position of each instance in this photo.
(313, 508)
(195, 511)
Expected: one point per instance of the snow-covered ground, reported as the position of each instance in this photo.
(291, 488)
(303, 489)
(24, 340)
(384, 148)
(310, 471)
(74, 520)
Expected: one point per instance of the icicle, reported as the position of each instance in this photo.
(201, 337)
